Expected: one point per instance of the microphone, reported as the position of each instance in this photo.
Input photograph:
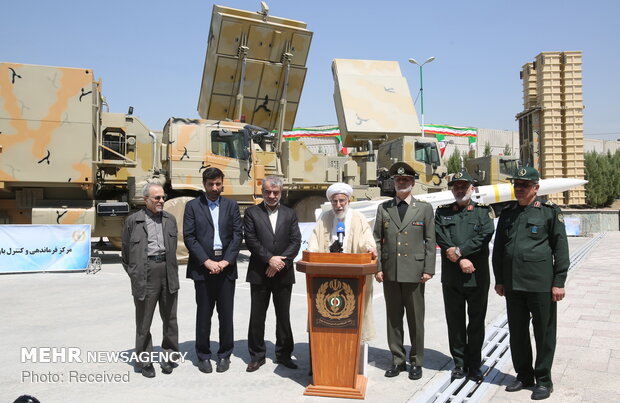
(340, 232)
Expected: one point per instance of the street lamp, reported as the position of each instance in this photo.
(411, 60)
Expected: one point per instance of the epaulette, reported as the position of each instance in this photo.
(549, 203)
(482, 205)
(444, 206)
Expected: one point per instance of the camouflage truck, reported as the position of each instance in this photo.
(65, 159)
(492, 169)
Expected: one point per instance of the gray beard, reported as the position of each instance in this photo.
(342, 214)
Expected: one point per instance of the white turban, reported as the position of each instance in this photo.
(339, 188)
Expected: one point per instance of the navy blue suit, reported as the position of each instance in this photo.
(212, 290)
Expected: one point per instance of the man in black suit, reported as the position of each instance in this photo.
(272, 236)
(212, 234)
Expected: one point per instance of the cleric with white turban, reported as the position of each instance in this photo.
(358, 238)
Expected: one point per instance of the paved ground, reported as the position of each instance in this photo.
(95, 313)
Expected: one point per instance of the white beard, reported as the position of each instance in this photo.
(340, 215)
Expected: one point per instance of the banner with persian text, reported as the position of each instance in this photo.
(34, 248)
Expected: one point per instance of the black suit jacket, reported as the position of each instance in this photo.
(263, 243)
(198, 236)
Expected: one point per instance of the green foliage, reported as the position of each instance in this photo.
(487, 149)
(603, 175)
(507, 150)
(454, 162)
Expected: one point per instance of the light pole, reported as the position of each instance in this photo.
(411, 60)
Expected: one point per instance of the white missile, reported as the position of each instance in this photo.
(488, 194)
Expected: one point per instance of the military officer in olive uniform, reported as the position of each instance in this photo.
(463, 230)
(405, 236)
(530, 263)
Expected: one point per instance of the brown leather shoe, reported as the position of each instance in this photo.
(254, 365)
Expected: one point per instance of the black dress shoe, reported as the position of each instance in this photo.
(222, 365)
(475, 375)
(287, 362)
(415, 372)
(166, 367)
(254, 365)
(148, 371)
(517, 385)
(395, 370)
(458, 373)
(541, 392)
(205, 366)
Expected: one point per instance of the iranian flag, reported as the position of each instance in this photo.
(301, 132)
(441, 131)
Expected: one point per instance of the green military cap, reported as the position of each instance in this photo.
(526, 174)
(461, 176)
(403, 169)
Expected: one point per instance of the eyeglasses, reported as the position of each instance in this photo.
(158, 198)
(523, 184)
(339, 201)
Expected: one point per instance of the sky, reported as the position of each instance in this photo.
(150, 54)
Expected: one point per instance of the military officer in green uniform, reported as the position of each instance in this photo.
(463, 231)
(530, 263)
(405, 236)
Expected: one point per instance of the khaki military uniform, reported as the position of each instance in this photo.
(530, 256)
(470, 228)
(406, 250)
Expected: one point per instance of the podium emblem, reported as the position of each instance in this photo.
(335, 303)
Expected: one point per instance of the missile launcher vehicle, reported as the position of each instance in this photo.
(65, 159)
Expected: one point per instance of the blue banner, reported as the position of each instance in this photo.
(32, 248)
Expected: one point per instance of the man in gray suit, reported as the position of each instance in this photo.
(405, 236)
(149, 258)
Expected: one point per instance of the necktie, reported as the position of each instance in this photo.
(402, 209)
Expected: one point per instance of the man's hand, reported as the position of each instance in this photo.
(499, 289)
(451, 254)
(276, 264)
(557, 294)
(466, 266)
(379, 276)
(212, 266)
(223, 264)
(373, 251)
(425, 277)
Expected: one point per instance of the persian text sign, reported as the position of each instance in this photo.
(29, 248)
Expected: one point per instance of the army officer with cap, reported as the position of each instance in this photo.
(530, 263)
(405, 236)
(463, 231)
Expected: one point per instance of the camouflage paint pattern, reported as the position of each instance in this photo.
(263, 40)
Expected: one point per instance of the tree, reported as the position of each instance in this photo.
(603, 177)
(454, 162)
(487, 149)
(507, 150)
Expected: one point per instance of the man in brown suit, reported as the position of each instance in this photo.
(149, 258)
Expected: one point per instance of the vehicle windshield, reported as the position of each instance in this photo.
(507, 167)
(228, 144)
(426, 152)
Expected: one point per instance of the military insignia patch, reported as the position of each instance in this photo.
(561, 217)
(386, 224)
(334, 303)
(536, 203)
(401, 170)
(470, 208)
(458, 175)
(522, 172)
(417, 223)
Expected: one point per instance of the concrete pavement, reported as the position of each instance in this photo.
(94, 313)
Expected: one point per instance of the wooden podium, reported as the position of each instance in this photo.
(336, 283)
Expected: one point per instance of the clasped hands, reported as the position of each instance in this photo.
(276, 264)
(215, 267)
(465, 264)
